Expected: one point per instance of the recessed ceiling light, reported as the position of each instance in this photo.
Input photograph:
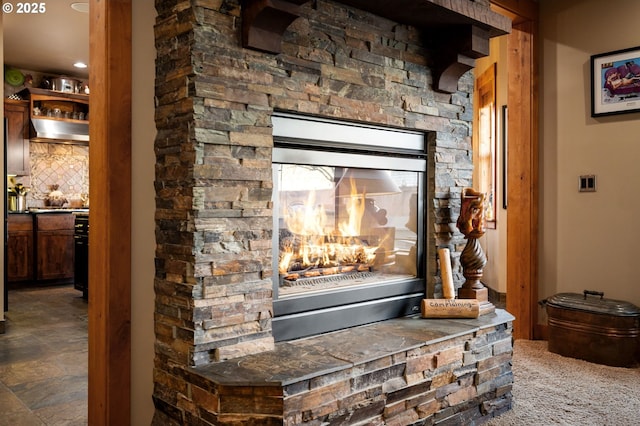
(80, 7)
(80, 65)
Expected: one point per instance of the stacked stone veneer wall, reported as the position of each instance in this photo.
(461, 381)
(214, 101)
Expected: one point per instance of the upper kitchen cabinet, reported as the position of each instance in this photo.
(16, 113)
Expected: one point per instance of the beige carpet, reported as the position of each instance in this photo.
(550, 389)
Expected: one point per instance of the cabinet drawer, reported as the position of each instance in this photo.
(53, 222)
(19, 222)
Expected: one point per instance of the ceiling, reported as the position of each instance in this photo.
(50, 42)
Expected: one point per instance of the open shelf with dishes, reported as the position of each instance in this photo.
(57, 116)
(53, 105)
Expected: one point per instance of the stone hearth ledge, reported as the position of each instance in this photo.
(306, 358)
(292, 366)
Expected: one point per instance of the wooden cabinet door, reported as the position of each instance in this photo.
(55, 255)
(17, 122)
(54, 246)
(20, 248)
(20, 256)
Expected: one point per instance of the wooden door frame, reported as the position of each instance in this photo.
(522, 164)
(110, 214)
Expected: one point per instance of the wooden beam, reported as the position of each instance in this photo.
(463, 27)
(437, 14)
(522, 219)
(456, 51)
(110, 214)
(265, 21)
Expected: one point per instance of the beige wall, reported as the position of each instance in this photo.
(587, 240)
(143, 202)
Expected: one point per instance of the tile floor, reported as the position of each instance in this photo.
(43, 358)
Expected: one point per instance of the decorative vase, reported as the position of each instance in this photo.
(55, 198)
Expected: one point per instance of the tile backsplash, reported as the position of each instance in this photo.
(57, 164)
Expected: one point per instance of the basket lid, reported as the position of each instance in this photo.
(586, 302)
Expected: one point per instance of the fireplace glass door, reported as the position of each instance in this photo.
(348, 233)
(343, 226)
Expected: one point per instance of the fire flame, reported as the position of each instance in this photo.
(317, 245)
(355, 210)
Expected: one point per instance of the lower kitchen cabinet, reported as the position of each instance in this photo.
(40, 248)
(54, 246)
(20, 248)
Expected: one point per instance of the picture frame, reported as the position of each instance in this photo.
(615, 82)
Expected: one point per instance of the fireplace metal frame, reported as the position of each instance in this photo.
(317, 141)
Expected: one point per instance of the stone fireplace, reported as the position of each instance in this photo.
(220, 148)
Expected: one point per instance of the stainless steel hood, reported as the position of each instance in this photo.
(47, 130)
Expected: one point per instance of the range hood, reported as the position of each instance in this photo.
(47, 130)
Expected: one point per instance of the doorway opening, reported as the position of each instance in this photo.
(37, 297)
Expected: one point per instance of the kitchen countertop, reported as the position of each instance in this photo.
(50, 210)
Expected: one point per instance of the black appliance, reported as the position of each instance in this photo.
(81, 246)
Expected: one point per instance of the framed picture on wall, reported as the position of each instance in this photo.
(615, 82)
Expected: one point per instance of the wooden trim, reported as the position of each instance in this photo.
(517, 10)
(485, 136)
(541, 332)
(534, 125)
(522, 218)
(523, 174)
(110, 215)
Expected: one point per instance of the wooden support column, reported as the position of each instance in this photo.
(110, 215)
(522, 223)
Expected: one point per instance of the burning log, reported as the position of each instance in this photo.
(316, 242)
(317, 272)
(304, 255)
(326, 281)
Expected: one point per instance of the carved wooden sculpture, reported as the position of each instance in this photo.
(471, 224)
